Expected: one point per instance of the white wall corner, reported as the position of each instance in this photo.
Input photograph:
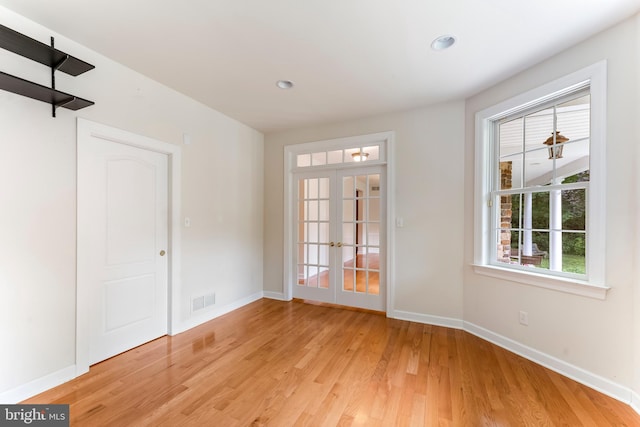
(208, 315)
(280, 296)
(426, 319)
(38, 386)
(596, 382)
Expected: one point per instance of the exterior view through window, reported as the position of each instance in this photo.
(541, 185)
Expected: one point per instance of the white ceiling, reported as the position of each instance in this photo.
(347, 58)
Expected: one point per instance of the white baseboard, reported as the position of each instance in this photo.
(635, 401)
(427, 319)
(37, 386)
(214, 312)
(275, 295)
(580, 375)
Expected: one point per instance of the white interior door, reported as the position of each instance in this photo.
(122, 242)
(339, 232)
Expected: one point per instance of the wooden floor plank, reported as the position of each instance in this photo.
(274, 363)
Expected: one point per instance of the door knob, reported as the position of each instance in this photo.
(339, 244)
(332, 244)
(162, 252)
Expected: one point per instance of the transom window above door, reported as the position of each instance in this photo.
(333, 157)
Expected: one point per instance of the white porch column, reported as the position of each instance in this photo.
(555, 236)
(527, 239)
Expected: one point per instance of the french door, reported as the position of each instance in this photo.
(339, 229)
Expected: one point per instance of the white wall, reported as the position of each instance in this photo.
(221, 193)
(591, 334)
(429, 196)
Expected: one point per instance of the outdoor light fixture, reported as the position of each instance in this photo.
(554, 141)
(359, 156)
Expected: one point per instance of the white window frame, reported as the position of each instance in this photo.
(594, 283)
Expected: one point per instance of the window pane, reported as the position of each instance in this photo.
(302, 274)
(348, 232)
(348, 210)
(312, 280)
(324, 188)
(324, 210)
(511, 172)
(573, 118)
(510, 211)
(323, 278)
(312, 189)
(373, 236)
(319, 159)
(348, 154)
(313, 210)
(504, 245)
(573, 209)
(373, 151)
(324, 232)
(538, 127)
(374, 209)
(335, 157)
(511, 137)
(573, 253)
(313, 232)
(575, 160)
(539, 211)
(538, 168)
(313, 254)
(303, 160)
(347, 187)
(324, 255)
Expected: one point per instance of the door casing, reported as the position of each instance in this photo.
(87, 129)
(386, 159)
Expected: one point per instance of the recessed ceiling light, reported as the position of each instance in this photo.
(443, 42)
(284, 84)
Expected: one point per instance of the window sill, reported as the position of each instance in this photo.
(576, 287)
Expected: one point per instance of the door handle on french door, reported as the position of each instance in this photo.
(339, 244)
(162, 252)
(332, 244)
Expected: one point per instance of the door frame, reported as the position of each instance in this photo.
(87, 129)
(386, 158)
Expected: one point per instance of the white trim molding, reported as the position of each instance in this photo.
(427, 319)
(37, 386)
(88, 129)
(385, 140)
(279, 296)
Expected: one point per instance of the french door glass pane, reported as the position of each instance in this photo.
(313, 232)
(361, 234)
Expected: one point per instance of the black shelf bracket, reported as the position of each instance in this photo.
(51, 57)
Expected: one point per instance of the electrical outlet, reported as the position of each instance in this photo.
(524, 318)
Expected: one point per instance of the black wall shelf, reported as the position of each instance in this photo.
(41, 93)
(51, 57)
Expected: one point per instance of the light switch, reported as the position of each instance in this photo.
(187, 222)
(399, 222)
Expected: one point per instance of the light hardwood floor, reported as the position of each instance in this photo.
(290, 363)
